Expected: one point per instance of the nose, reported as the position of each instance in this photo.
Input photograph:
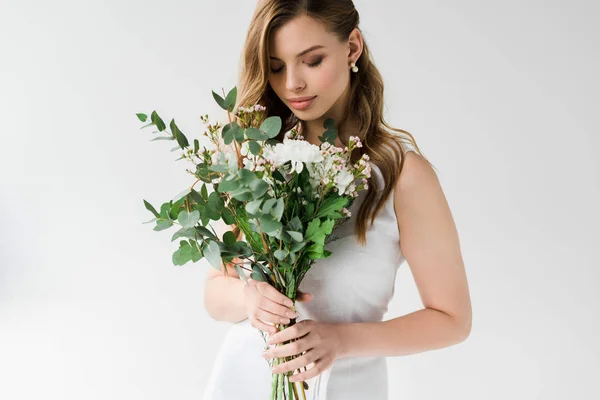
(294, 81)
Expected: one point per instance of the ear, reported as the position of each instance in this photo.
(355, 44)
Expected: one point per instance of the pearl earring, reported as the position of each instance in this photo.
(354, 67)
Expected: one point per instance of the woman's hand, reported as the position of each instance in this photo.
(265, 304)
(318, 343)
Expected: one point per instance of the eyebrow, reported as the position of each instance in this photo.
(315, 47)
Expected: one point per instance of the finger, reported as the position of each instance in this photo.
(266, 316)
(304, 297)
(262, 326)
(296, 348)
(275, 308)
(273, 294)
(272, 307)
(311, 372)
(296, 363)
(298, 330)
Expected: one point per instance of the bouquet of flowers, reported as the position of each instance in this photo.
(282, 199)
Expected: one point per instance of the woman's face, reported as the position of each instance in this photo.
(322, 73)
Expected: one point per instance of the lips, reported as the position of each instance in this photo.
(301, 103)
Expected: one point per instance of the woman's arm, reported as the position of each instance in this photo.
(430, 244)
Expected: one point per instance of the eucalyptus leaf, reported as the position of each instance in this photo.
(240, 272)
(151, 208)
(259, 188)
(254, 147)
(184, 232)
(220, 101)
(269, 203)
(229, 238)
(297, 236)
(253, 206)
(163, 224)
(156, 120)
(188, 219)
(255, 134)
(213, 254)
(278, 209)
(182, 194)
(280, 254)
(271, 126)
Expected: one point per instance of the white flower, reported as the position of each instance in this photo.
(343, 179)
(295, 151)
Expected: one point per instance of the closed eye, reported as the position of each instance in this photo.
(311, 65)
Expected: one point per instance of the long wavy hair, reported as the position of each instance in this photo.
(380, 143)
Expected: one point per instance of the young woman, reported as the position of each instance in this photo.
(306, 61)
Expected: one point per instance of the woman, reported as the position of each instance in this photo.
(306, 61)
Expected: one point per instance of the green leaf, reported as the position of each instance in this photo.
(156, 120)
(181, 139)
(246, 176)
(228, 134)
(241, 194)
(258, 273)
(255, 134)
(295, 225)
(183, 254)
(150, 208)
(297, 236)
(227, 216)
(229, 238)
(213, 254)
(254, 147)
(271, 126)
(228, 185)
(278, 210)
(215, 202)
(297, 246)
(332, 205)
(259, 188)
(220, 101)
(204, 192)
(205, 233)
(253, 206)
(327, 226)
(142, 117)
(184, 232)
(269, 203)
(163, 224)
(268, 224)
(313, 229)
(182, 194)
(280, 254)
(196, 145)
(241, 273)
(231, 98)
(162, 138)
(188, 220)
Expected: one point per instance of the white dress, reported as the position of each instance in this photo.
(355, 284)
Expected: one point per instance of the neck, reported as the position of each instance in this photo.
(314, 128)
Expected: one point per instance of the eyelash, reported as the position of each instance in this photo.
(313, 65)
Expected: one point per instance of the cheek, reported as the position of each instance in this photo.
(329, 77)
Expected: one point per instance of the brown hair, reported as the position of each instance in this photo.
(340, 17)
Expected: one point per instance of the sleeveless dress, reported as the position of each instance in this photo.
(354, 284)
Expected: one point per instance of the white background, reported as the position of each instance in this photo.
(502, 97)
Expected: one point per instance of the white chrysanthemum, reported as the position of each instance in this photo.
(296, 151)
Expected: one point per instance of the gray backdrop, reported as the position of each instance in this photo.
(501, 96)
